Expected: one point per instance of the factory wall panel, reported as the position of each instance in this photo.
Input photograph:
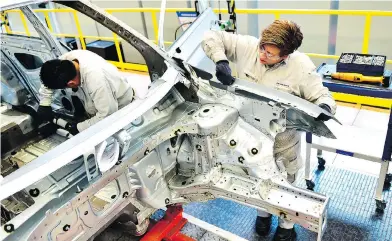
(132, 19)
(242, 19)
(350, 29)
(67, 24)
(135, 21)
(17, 25)
(16, 22)
(171, 20)
(314, 27)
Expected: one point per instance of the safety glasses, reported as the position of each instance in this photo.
(268, 55)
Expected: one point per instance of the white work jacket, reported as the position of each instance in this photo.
(296, 75)
(103, 88)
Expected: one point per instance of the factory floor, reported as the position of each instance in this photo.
(349, 182)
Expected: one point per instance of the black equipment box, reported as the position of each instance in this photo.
(105, 49)
(365, 64)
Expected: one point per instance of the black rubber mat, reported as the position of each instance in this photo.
(351, 213)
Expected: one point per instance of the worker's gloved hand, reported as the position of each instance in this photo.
(223, 72)
(322, 116)
(44, 113)
(325, 107)
(72, 128)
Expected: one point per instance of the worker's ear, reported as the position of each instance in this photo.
(285, 57)
(72, 83)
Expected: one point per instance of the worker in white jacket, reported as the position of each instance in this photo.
(104, 89)
(272, 60)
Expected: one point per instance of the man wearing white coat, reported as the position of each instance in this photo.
(272, 60)
(104, 88)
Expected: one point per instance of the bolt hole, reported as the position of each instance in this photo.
(66, 227)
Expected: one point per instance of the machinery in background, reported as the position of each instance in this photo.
(229, 25)
(187, 18)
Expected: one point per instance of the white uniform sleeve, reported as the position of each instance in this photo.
(312, 88)
(221, 45)
(103, 99)
(45, 96)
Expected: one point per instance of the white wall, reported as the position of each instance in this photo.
(17, 25)
(350, 29)
(67, 24)
(132, 19)
(314, 27)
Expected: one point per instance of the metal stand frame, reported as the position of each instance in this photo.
(169, 227)
(384, 179)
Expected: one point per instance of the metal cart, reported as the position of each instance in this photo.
(343, 146)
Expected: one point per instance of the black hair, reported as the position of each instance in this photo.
(56, 73)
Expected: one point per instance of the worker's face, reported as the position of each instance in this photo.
(269, 54)
(75, 82)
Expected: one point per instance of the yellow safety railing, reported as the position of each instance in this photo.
(275, 12)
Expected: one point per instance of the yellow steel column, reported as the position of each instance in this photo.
(366, 34)
(48, 21)
(155, 25)
(277, 16)
(79, 29)
(5, 20)
(118, 50)
(23, 18)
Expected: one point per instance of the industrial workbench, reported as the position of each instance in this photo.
(381, 149)
(364, 94)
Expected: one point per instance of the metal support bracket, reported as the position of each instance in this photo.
(168, 228)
